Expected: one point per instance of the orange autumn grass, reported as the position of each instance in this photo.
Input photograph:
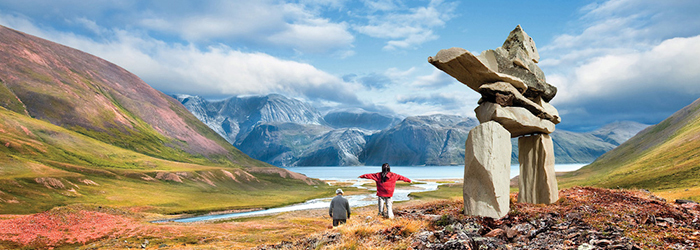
(124, 229)
(378, 233)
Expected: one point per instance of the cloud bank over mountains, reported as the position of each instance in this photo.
(614, 60)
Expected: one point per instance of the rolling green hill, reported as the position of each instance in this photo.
(663, 158)
(77, 129)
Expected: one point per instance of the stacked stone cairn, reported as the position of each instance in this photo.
(514, 103)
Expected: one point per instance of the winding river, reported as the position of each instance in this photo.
(354, 200)
(428, 175)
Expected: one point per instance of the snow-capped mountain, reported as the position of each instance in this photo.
(288, 132)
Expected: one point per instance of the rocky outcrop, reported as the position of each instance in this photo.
(360, 119)
(505, 94)
(487, 171)
(420, 140)
(519, 121)
(515, 96)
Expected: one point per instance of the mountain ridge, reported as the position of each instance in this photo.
(386, 138)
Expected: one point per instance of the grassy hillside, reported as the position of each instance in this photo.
(44, 165)
(664, 158)
(75, 128)
(94, 97)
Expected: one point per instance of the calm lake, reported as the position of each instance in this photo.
(345, 173)
(412, 172)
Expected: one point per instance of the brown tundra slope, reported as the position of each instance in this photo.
(87, 94)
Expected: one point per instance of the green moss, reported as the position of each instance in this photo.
(31, 74)
(9, 101)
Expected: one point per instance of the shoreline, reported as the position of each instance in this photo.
(359, 201)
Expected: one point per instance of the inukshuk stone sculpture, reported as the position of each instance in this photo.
(514, 103)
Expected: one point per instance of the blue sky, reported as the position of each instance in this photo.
(611, 60)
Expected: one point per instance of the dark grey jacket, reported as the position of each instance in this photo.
(340, 208)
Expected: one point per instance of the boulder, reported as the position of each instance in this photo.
(487, 171)
(519, 42)
(528, 72)
(538, 183)
(549, 109)
(518, 57)
(490, 93)
(517, 120)
(469, 70)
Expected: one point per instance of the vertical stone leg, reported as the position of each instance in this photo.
(538, 183)
(487, 171)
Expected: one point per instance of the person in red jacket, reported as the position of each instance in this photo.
(386, 182)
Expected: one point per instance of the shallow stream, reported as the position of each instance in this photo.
(431, 174)
(354, 200)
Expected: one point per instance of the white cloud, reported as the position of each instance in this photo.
(410, 92)
(405, 27)
(623, 26)
(280, 24)
(317, 35)
(214, 71)
(623, 50)
(381, 5)
(436, 79)
(397, 75)
(632, 60)
(276, 24)
(426, 103)
(670, 65)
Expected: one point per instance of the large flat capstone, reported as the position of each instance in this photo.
(469, 70)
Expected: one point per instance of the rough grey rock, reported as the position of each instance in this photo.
(520, 61)
(518, 121)
(487, 171)
(436, 140)
(538, 183)
(339, 147)
(515, 63)
(550, 109)
(504, 94)
(469, 70)
(519, 42)
(360, 119)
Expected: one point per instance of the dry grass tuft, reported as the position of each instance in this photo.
(374, 232)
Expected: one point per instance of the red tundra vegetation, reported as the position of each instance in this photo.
(583, 218)
(65, 225)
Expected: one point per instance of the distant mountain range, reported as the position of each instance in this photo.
(664, 157)
(288, 132)
(75, 128)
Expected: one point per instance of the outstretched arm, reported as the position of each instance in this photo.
(369, 176)
(401, 177)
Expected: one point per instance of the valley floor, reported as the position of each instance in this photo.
(583, 217)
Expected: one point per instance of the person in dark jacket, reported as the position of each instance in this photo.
(386, 182)
(340, 208)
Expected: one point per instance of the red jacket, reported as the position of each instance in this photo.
(385, 189)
